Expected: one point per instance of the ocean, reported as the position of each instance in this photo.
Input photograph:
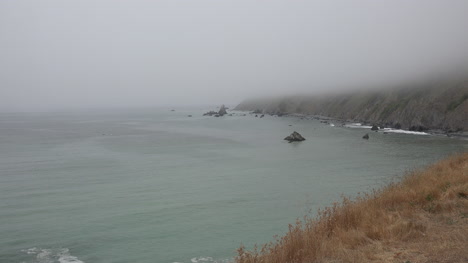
(154, 185)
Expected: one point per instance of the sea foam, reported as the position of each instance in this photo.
(51, 255)
(389, 130)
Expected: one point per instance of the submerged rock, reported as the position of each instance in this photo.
(295, 137)
(366, 136)
(189, 115)
(263, 115)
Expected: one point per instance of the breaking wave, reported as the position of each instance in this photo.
(41, 255)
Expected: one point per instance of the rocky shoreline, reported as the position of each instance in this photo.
(434, 107)
(364, 125)
(372, 126)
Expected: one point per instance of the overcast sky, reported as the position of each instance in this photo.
(96, 53)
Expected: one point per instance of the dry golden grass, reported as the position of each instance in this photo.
(423, 218)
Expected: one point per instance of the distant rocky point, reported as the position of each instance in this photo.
(222, 111)
(441, 105)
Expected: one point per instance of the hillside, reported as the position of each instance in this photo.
(423, 218)
(441, 106)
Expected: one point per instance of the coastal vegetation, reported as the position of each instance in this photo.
(429, 106)
(422, 218)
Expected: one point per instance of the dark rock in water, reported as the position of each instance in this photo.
(290, 124)
(210, 113)
(366, 136)
(418, 128)
(244, 114)
(385, 133)
(374, 128)
(295, 137)
(172, 110)
(256, 116)
(222, 110)
(263, 115)
(189, 115)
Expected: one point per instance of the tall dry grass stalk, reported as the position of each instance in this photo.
(403, 219)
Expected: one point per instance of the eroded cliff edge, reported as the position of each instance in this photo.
(441, 106)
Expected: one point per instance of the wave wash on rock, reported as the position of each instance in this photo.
(423, 218)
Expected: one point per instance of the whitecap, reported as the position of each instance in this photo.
(65, 257)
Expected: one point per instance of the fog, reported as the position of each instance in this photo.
(91, 53)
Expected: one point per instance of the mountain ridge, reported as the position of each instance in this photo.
(440, 106)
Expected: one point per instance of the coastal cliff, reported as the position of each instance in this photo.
(441, 106)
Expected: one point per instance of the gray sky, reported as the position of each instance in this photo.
(96, 53)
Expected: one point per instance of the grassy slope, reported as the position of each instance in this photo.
(423, 218)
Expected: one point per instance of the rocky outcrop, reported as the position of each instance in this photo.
(295, 137)
(366, 136)
(439, 105)
(374, 128)
(210, 113)
(222, 110)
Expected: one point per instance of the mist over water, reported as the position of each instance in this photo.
(107, 53)
(159, 186)
(95, 167)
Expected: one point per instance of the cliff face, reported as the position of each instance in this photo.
(439, 106)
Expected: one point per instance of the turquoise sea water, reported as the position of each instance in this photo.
(157, 186)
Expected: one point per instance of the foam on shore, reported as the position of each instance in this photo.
(389, 130)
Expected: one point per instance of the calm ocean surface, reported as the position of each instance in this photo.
(157, 186)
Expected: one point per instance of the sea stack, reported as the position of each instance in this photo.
(295, 137)
(222, 110)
